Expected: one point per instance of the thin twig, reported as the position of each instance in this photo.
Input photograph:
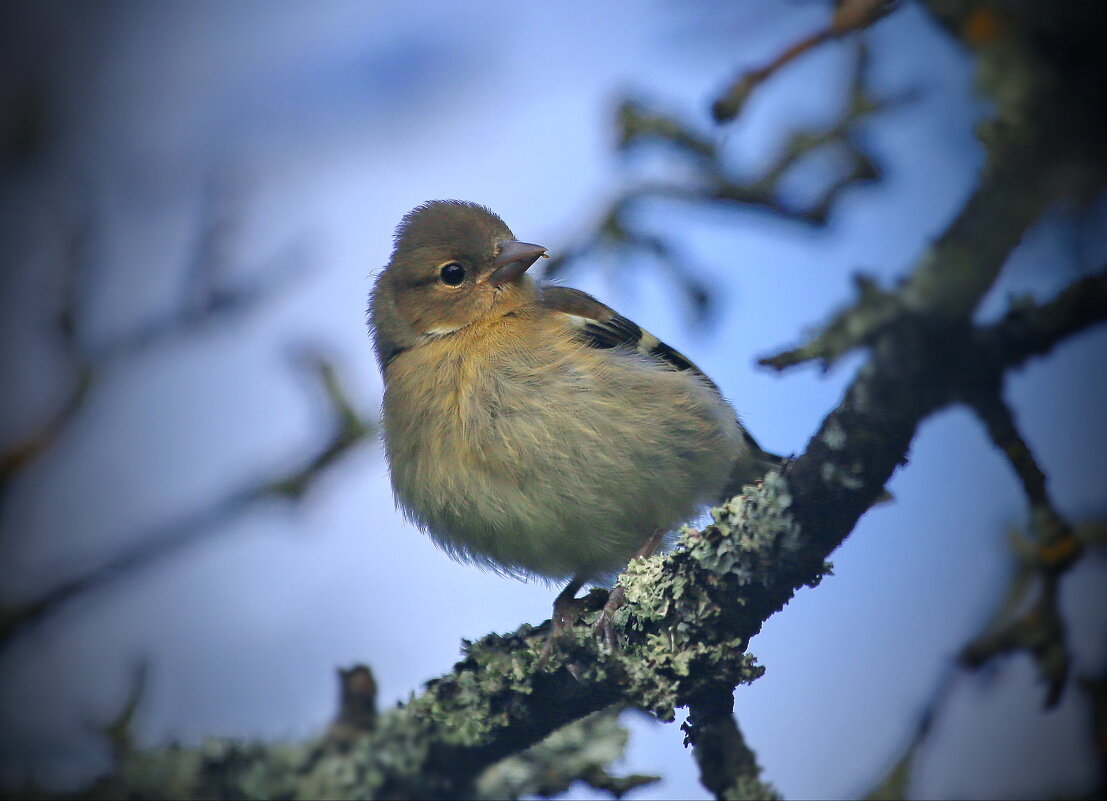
(850, 16)
(348, 429)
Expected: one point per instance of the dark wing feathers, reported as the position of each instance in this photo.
(618, 330)
(600, 326)
(674, 357)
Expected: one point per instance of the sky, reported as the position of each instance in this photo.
(326, 122)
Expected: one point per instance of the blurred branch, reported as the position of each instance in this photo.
(849, 17)
(1039, 631)
(706, 176)
(894, 784)
(1095, 689)
(357, 708)
(347, 431)
(1028, 617)
(1048, 526)
(207, 298)
(120, 730)
(1029, 329)
(851, 328)
(1026, 331)
(983, 354)
(1035, 626)
(75, 238)
(348, 428)
(728, 767)
(17, 455)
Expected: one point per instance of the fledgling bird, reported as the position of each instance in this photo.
(529, 427)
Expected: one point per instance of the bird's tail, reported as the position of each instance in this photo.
(751, 468)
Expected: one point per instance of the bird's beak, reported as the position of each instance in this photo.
(513, 261)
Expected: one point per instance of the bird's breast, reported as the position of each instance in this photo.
(540, 454)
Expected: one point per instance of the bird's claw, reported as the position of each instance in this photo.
(605, 623)
(565, 613)
(566, 610)
(605, 631)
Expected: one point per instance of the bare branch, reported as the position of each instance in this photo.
(120, 730)
(850, 16)
(710, 178)
(207, 298)
(348, 430)
(1030, 330)
(1046, 522)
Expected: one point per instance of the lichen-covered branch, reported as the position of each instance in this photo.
(728, 766)
(582, 751)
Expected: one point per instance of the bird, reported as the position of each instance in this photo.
(530, 428)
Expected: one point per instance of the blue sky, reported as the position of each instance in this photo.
(329, 121)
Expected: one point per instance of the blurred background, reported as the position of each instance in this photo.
(196, 199)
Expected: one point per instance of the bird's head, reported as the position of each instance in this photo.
(454, 263)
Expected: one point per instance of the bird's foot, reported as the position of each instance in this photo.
(605, 623)
(566, 609)
(617, 598)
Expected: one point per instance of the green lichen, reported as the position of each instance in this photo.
(753, 532)
(686, 625)
(683, 616)
(581, 751)
(751, 788)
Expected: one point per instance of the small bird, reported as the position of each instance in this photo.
(528, 427)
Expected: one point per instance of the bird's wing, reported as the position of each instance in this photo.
(600, 326)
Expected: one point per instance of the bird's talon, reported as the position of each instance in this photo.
(605, 624)
(605, 631)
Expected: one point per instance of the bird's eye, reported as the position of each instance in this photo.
(452, 274)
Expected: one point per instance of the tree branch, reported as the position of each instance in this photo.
(850, 16)
(728, 766)
(691, 613)
(348, 429)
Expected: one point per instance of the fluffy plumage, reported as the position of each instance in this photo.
(532, 428)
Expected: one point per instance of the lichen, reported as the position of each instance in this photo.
(683, 614)
(834, 436)
(686, 625)
(583, 750)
